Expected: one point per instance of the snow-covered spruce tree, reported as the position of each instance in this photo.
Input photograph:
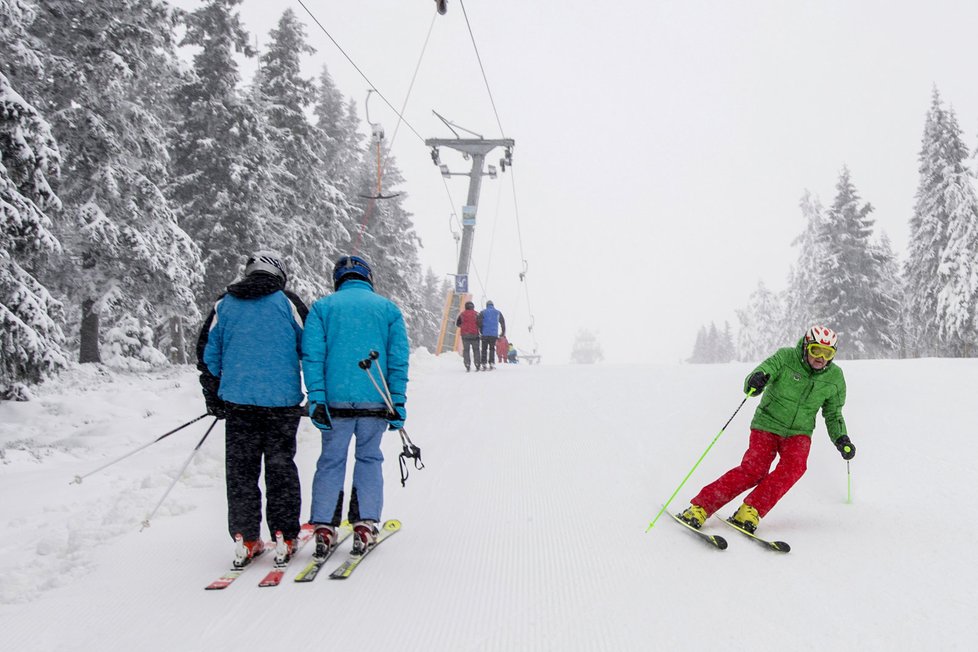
(340, 125)
(31, 336)
(851, 291)
(311, 214)
(700, 346)
(942, 288)
(387, 239)
(728, 350)
(894, 287)
(801, 307)
(761, 330)
(220, 161)
(586, 349)
(434, 291)
(126, 255)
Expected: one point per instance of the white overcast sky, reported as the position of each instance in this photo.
(662, 147)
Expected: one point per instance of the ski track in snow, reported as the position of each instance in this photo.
(526, 531)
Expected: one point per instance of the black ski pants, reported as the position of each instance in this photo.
(489, 349)
(470, 342)
(250, 435)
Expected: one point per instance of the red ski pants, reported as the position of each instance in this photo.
(754, 471)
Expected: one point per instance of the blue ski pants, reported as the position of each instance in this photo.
(367, 495)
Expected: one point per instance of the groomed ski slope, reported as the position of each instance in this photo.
(526, 531)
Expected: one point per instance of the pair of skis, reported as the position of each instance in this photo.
(309, 573)
(721, 544)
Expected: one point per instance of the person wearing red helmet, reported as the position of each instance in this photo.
(796, 382)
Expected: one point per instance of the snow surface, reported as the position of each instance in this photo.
(526, 531)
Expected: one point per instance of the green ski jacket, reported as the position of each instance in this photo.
(794, 394)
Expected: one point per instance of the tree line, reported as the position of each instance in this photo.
(133, 184)
(852, 281)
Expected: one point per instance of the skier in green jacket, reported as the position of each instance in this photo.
(799, 381)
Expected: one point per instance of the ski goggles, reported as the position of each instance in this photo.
(817, 350)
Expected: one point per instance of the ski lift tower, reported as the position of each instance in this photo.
(476, 149)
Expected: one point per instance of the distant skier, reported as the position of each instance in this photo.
(502, 349)
(799, 381)
(248, 357)
(491, 325)
(468, 325)
(342, 329)
(512, 355)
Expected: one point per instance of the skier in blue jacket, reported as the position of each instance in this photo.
(491, 321)
(248, 357)
(342, 329)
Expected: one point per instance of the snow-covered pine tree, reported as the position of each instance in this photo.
(587, 349)
(851, 291)
(311, 213)
(340, 123)
(31, 336)
(700, 346)
(728, 350)
(940, 268)
(801, 307)
(387, 239)
(220, 162)
(761, 330)
(103, 84)
(895, 341)
(434, 290)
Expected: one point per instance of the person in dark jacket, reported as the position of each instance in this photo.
(797, 382)
(491, 325)
(468, 325)
(248, 357)
(342, 330)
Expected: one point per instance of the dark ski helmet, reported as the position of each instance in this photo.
(267, 262)
(469, 305)
(489, 304)
(349, 267)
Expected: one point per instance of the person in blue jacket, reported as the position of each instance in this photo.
(342, 329)
(492, 324)
(248, 357)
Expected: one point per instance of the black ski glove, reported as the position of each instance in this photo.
(757, 381)
(320, 416)
(846, 447)
(216, 408)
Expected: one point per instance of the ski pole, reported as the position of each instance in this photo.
(182, 469)
(78, 478)
(366, 365)
(666, 505)
(849, 483)
(408, 449)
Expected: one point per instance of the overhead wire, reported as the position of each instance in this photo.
(382, 168)
(519, 228)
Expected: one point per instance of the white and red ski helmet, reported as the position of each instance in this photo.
(821, 335)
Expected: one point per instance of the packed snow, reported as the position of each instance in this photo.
(526, 530)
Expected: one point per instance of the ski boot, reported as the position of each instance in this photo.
(325, 536)
(746, 518)
(246, 551)
(694, 516)
(284, 548)
(364, 536)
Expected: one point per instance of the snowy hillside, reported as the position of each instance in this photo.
(526, 531)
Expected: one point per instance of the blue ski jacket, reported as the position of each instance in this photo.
(253, 347)
(490, 321)
(341, 330)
